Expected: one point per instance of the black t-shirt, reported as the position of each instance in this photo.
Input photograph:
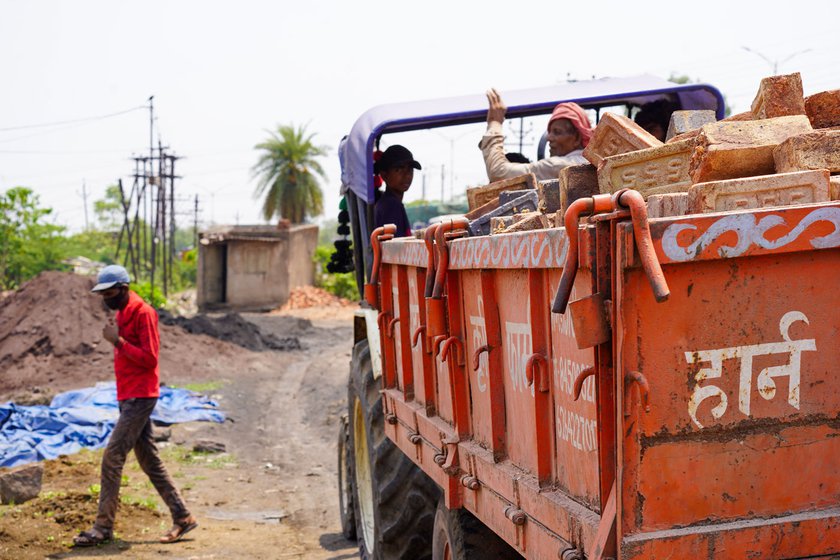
(390, 210)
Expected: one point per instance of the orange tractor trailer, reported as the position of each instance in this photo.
(621, 387)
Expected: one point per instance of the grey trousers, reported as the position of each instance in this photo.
(134, 431)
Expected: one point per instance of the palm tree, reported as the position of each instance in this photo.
(288, 172)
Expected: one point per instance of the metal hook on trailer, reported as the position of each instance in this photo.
(633, 200)
(436, 344)
(458, 227)
(416, 336)
(452, 342)
(580, 379)
(477, 355)
(597, 204)
(429, 240)
(379, 235)
(637, 378)
(623, 200)
(391, 325)
(381, 321)
(537, 361)
(435, 303)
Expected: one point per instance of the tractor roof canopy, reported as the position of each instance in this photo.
(356, 149)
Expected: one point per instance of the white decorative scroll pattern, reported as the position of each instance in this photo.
(543, 249)
(765, 383)
(408, 253)
(750, 232)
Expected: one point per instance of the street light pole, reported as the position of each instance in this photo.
(776, 62)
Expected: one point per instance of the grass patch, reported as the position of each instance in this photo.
(211, 460)
(201, 387)
(148, 503)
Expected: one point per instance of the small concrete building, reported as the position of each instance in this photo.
(253, 267)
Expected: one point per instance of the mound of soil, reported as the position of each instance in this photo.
(51, 315)
(232, 328)
(51, 341)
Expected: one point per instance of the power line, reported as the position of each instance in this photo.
(72, 121)
(61, 152)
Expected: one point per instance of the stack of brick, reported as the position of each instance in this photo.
(502, 199)
(781, 152)
(785, 150)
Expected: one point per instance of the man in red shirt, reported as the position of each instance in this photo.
(136, 344)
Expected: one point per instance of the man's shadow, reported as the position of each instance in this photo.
(117, 546)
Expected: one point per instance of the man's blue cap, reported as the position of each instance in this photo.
(110, 276)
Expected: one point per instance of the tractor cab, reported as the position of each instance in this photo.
(356, 150)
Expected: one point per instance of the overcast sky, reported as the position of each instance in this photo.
(222, 73)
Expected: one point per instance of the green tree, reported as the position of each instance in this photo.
(109, 210)
(28, 245)
(287, 171)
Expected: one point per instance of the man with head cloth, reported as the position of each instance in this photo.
(569, 132)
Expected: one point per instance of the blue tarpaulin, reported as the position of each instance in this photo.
(85, 418)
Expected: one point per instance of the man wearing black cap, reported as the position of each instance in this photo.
(396, 167)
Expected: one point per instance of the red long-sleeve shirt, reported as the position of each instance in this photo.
(136, 359)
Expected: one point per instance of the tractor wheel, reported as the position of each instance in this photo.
(346, 488)
(459, 535)
(394, 499)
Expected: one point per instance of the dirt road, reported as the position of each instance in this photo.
(271, 496)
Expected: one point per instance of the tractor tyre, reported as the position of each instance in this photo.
(459, 535)
(394, 499)
(346, 488)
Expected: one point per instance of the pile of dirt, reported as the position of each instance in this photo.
(51, 341)
(50, 326)
(232, 328)
(305, 297)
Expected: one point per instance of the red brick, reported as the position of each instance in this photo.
(616, 134)
(816, 150)
(779, 96)
(479, 196)
(834, 188)
(784, 189)
(652, 171)
(665, 205)
(576, 181)
(731, 149)
(824, 108)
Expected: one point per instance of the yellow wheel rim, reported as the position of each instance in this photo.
(364, 485)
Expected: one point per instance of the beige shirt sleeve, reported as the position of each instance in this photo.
(498, 167)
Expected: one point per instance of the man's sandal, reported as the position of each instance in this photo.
(179, 529)
(94, 537)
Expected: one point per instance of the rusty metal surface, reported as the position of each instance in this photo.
(731, 461)
(589, 317)
(744, 425)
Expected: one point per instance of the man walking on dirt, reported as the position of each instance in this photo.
(136, 345)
